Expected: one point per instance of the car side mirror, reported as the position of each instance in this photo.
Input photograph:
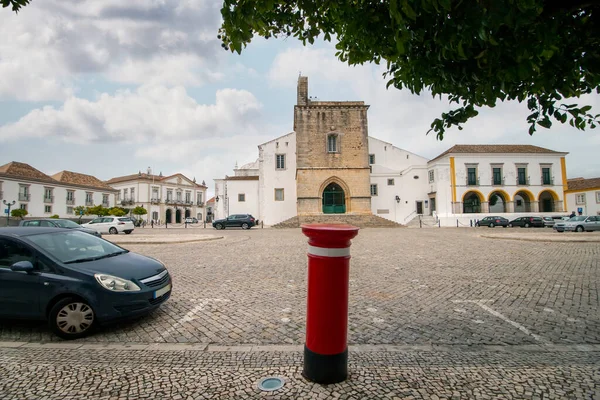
(22, 266)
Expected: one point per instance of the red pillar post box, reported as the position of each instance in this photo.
(326, 347)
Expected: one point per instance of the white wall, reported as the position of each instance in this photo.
(591, 205)
(401, 166)
(36, 204)
(271, 211)
(250, 190)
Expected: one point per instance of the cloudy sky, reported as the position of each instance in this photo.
(110, 87)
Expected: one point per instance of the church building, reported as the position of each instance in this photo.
(330, 170)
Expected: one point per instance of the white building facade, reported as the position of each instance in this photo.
(508, 180)
(168, 199)
(583, 196)
(44, 196)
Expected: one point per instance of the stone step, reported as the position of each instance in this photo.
(362, 221)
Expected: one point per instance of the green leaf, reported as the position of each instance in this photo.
(408, 10)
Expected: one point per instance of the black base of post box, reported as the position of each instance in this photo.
(321, 368)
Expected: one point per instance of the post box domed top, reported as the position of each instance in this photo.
(329, 235)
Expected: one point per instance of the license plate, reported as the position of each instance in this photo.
(162, 291)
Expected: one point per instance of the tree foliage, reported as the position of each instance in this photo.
(80, 210)
(97, 210)
(15, 4)
(139, 210)
(475, 52)
(18, 213)
(117, 211)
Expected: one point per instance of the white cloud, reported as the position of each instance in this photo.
(154, 113)
(137, 41)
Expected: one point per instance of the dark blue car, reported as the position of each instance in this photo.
(75, 280)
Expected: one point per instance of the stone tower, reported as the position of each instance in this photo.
(332, 155)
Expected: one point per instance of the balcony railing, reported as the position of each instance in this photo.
(70, 202)
(188, 202)
(48, 199)
(105, 204)
(154, 200)
(23, 197)
(547, 181)
(473, 182)
(126, 202)
(523, 181)
(89, 203)
(497, 182)
(200, 204)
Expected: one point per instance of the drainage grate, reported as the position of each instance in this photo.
(271, 384)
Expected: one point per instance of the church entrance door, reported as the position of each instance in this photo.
(334, 199)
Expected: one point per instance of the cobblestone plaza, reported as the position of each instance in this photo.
(433, 313)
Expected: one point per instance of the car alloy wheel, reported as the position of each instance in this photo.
(71, 318)
(245, 226)
(526, 225)
(510, 225)
(579, 228)
(113, 231)
(491, 225)
(219, 226)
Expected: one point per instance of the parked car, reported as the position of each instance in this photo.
(244, 221)
(579, 223)
(57, 223)
(191, 220)
(493, 221)
(549, 221)
(526, 222)
(112, 225)
(75, 280)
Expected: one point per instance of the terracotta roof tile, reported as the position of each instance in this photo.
(496, 148)
(583, 184)
(76, 178)
(242, 178)
(22, 170)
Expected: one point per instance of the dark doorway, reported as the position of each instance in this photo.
(178, 216)
(432, 202)
(168, 216)
(187, 213)
(334, 201)
(419, 207)
(472, 204)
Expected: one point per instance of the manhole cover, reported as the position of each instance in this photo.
(270, 384)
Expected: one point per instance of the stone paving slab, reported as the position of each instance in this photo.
(159, 239)
(35, 373)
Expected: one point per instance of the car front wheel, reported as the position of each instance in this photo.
(219, 226)
(245, 226)
(71, 318)
(510, 225)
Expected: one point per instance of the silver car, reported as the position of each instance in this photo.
(579, 224)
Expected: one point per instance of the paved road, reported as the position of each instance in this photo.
(409, 287)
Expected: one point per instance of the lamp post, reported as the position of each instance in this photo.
(9, 205)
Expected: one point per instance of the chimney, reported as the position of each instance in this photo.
(302, 91)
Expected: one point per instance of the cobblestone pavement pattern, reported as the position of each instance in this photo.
(413, 287)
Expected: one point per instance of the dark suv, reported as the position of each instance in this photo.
(493, 221)
(244, 221)
(526, 222)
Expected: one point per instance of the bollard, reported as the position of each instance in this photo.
(457, 223)
(326, 346)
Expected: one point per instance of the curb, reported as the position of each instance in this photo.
(165, 241)
(547, 240)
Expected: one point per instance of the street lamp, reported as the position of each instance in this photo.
(9, 205)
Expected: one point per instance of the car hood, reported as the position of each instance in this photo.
(86, 230)
(128, 266)
(219, 220)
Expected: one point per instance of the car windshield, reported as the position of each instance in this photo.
(65, 223)
(75, 246)
(579, 218)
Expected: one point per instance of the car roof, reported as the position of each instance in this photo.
(21, 232)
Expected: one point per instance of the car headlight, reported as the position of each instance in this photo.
(116, 284)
